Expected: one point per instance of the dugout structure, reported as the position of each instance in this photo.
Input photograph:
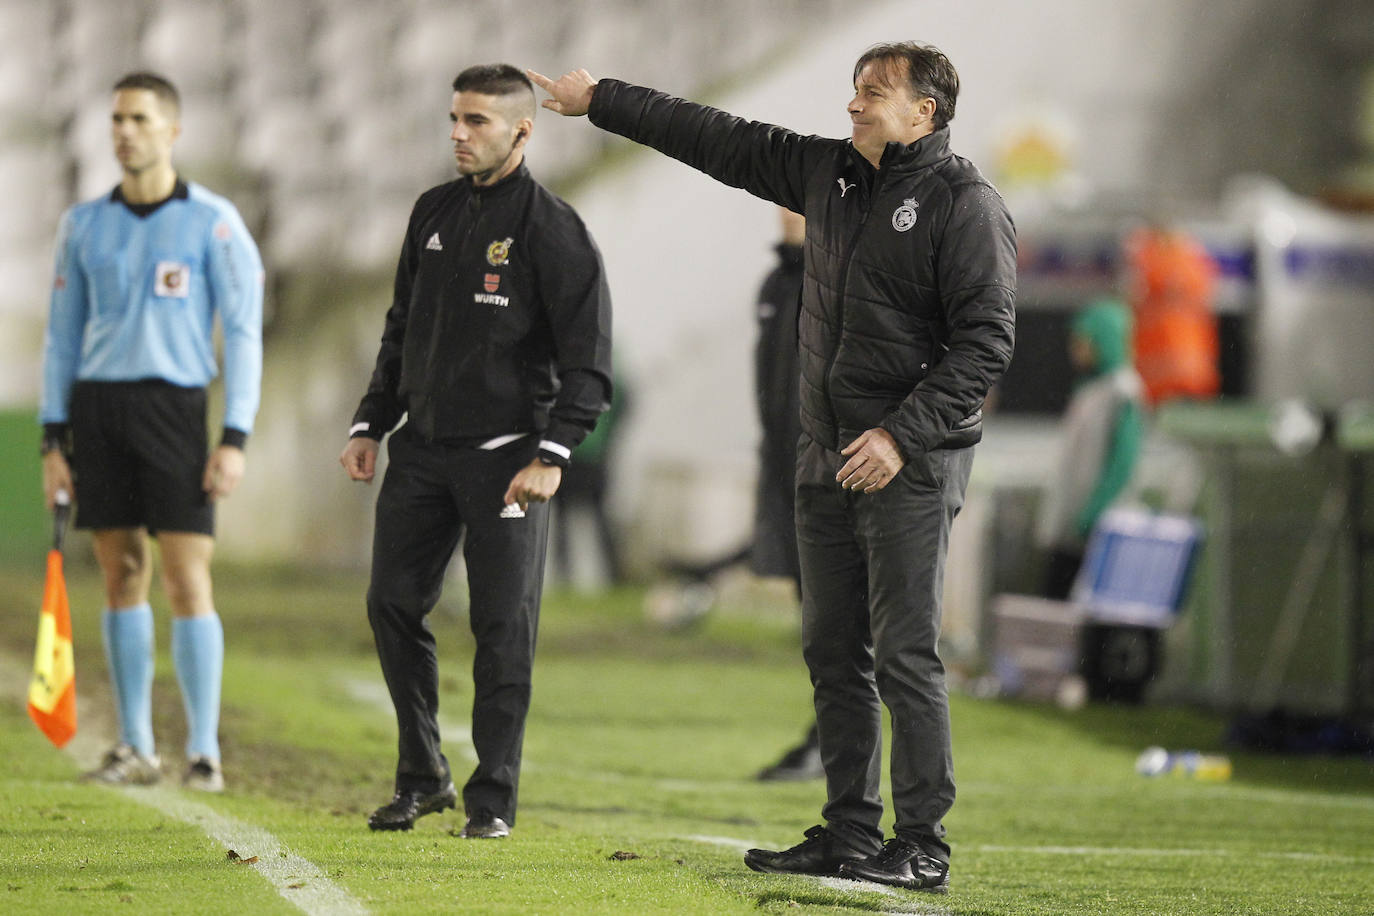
(1282, 613)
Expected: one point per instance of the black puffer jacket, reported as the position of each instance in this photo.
(908, 309)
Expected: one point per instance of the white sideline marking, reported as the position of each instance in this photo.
(1158, 853)
(298, 880)
(727, 842)
(732, 843)
(909, 908)
(1199, 790)
(843, 885)
(1297, 797)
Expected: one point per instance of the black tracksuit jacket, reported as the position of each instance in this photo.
(500, 322)
(908, 301)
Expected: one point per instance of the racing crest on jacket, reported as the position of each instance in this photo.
(904, 217)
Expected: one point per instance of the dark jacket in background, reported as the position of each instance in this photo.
(774, 551)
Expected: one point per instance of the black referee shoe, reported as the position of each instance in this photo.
(408, 804)
(821, 853)
(901, 864)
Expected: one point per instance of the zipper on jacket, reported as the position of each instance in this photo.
(877, 184)
(474, 208)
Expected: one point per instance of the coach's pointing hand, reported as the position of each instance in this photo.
(571, 94)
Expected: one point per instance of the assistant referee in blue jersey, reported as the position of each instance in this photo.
(143, 274)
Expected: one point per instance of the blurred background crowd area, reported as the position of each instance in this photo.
(322, 121)
(1247, 125)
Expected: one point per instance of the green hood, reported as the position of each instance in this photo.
(1106, 323)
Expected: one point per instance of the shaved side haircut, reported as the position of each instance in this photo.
(501, 80)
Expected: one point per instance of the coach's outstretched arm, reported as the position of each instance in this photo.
(767, 161)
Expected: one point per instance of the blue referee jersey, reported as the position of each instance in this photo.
(135, 297)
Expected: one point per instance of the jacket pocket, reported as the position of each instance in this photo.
(925, 469)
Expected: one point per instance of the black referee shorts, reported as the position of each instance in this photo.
(138, 456)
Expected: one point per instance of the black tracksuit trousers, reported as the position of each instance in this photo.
(433, 495)
(872, 567)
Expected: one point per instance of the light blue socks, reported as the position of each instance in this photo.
(128, 636)
(198, 653)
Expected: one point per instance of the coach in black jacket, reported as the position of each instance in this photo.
(907, 320)
(497, 348)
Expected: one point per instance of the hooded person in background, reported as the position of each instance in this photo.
(1099, 440)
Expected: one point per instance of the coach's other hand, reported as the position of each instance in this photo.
(223, 472)
(536, 482)
(571, 93)
(874, 459)
(359, 458)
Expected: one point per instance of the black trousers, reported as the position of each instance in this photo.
(434, 495)
(872, 570)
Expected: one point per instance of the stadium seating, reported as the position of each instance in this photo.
(311, 99)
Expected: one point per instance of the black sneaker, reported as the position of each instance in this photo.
(408, 804)
(901, 864)
(484, 826)
(821, 853)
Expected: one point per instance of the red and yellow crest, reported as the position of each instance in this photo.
(498, 252)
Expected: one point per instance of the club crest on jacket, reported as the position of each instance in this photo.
(498, 252)
(904, 217)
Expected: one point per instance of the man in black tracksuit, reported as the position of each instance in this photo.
(774, 551)
(907, 320)
(497, 348)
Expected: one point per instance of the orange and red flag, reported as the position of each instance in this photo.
(52, 690)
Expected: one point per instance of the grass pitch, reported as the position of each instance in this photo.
(637, 795)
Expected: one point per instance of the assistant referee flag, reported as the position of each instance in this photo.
(52, 691)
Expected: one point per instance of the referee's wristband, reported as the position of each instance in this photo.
(235, 437)
(55, 438)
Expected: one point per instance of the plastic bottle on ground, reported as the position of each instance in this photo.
(1156, 761)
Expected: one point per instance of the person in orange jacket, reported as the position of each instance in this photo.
(1172, 283)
